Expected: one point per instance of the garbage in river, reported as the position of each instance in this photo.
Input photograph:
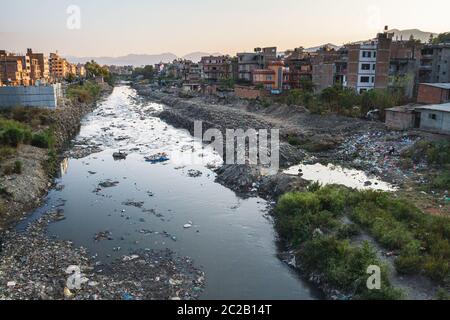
(120, 155)
(157, 158)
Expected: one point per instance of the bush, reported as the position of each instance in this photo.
(13, 133)
(43, 140)
(18, 167)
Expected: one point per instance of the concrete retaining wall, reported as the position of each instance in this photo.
(39, 96)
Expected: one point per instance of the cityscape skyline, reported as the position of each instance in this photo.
(152, 27)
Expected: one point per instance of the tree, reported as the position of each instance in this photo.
(94, 70)
(442, 38)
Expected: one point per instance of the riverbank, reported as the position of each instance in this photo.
(22, 192)
(139, 274)
(309, 138)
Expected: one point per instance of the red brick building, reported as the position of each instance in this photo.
(433, 93)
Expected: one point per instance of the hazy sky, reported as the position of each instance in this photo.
(113, 28)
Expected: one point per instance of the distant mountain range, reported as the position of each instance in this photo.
(138, 60)
(314, 49)
(423, 36)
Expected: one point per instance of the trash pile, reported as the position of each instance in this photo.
(35, 267)
(378, 153)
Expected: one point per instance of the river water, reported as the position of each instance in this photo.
(231, 239)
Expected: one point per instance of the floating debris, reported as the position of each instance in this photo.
(157, 158)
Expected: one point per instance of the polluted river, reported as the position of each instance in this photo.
(115, 206)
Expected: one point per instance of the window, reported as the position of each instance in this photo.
(375, 54)
(432, 116)
(365, 66)
(367, 54)
(374, 66)
(373, 79)
(365, 79)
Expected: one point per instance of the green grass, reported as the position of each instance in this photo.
(422, 241)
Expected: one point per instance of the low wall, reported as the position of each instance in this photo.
(247, 92)
(33, 96)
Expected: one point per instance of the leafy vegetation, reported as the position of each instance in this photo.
(94, 70)
(341, 100)
(13, 133)
(437, 155)
(442, 38)
(312, 222)
(87, 92)
(147, 72)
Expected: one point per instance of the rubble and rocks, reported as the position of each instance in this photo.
(35, 267)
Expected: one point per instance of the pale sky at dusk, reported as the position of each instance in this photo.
(113, 28)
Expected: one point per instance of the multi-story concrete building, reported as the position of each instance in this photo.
(435, 63)
(16, 69)
(59, 67)
(249, 61)
(216, 68)
(40, 62)
(368, 64)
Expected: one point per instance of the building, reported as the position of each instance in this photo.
(39, 62)
(16, 70)
(329, 68)
(435, 118)
(368, 64)
(259, 59)
(402, 118)
(247, 62)
(433, 93)
(404, 66)
(59, 67)
(274, 78)
(217, 68)
(81, 71)
(435, 64)
(299, 66)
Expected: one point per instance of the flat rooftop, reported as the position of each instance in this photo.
(444, 107)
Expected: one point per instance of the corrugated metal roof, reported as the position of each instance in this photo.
(445, 107)
(445, 86)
